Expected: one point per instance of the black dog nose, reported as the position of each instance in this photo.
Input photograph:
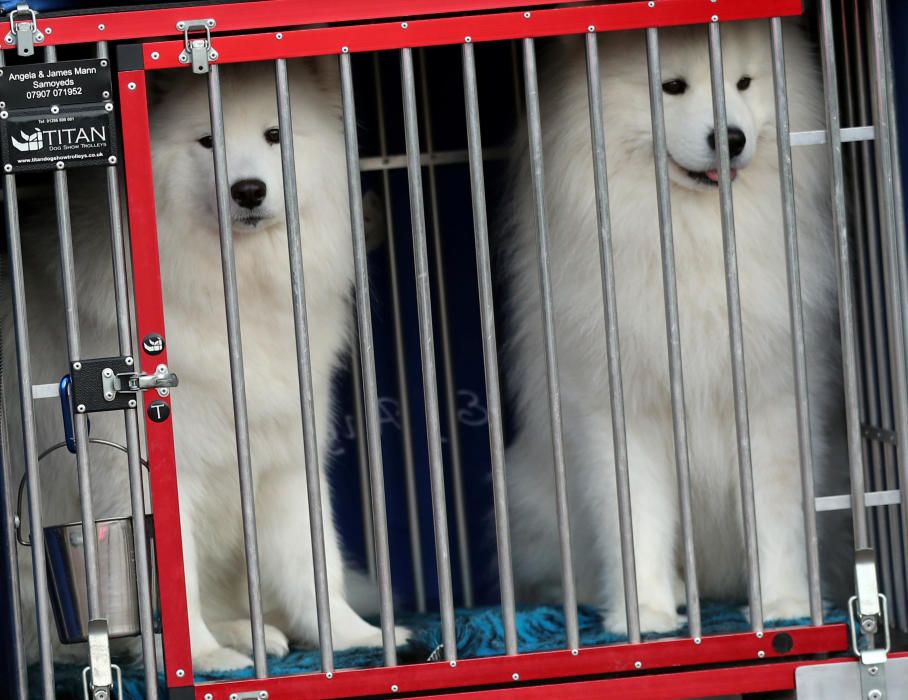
(248, 193)
(736, 141)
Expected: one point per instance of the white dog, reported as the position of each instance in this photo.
(580, 332)
(197, 349)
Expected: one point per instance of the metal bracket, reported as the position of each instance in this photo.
(869, 611)
(250, 695)
(24, 34)
(102, 671)
(110, 383)
(197, 51)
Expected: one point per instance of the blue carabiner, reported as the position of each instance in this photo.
(66, 408)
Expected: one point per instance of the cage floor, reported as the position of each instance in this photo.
(479, 633)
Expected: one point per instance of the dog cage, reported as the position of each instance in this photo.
(424, 438)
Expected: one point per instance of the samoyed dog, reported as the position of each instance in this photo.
(579, 324)
(203, 418)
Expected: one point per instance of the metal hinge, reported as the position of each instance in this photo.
(197, 51)
(868, 611)
(24, 33)
(101, 684)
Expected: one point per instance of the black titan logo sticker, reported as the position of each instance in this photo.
(158, 411)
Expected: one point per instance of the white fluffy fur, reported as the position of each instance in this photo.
(196, 342)
(579, 322)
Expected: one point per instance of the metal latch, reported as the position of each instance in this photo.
(130, 382)
(198, 51)
(23, 33)
(869, 611)
(101, 685)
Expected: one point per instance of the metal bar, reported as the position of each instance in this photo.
(534, 124)
(900, 237)
(23, 366)
(893, 248)
(73, 345)
(362, 459)
(447, 363)
(847, 135)
(891, 497)
(131, 423)
(427, 353)
(304, 366)
(846, 305)
(452, 157)
(798, 342)
(370, 384)
(490, 352)
(237, 378)
(673, 327)
(400, 357)
(735, 329)
(612, 344)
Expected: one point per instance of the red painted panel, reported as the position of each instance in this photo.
(541, 666)
(455, 30)
(150, 319)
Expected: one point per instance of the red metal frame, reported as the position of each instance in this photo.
(455, 30)
(143, 231)
(559, 666)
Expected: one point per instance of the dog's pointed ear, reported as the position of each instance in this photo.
(160, 82)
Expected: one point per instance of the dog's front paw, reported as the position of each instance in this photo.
(652, 620)
(786, 608)
(238, 634)
(220, 659)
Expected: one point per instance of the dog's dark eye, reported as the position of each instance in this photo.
(205, 141)
(273, 135)
(675, 87)
(744, 83)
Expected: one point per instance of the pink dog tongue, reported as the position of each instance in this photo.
(714, 174)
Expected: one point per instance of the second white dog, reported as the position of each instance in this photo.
(580, 332)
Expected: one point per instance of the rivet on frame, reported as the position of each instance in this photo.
(209, 696)
(329, 675)
(575, 652)
(759, 635)
(404, 25)
(467, 39)
(526, 15)
(591, 28)
(155, 55)
(8, 168)
(697, 640)
(112, 160)
(104, 63)
(714, 18)
(394, 688)
(651, 3)
(761, 654)
(101, 27)
(638, 665)
(4, 114)
(49, 30)
(279, 36)
(453, 664)
(180, 673)
(131, 86)
(515, 676)
(345, 49)
(60, 165)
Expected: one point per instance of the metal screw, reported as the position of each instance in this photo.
(515, 676)
(761, 654)
(9, 38)
(212, 55)
(279, 35)
(873, 670)
(155, 55)
(109, 395)
(2, 104)
(112, 160)
(129, 361)
(180, 673)
(184, 58)
(100, 694)
(49, 30)
(132, 403)
(101, 27)
(868, 624)
(77, 366)
(181, 26)
(106, 93)
(875, 695)
(54, 109)
(131, 86)
(108, 372)
(263, 695)
(163, 391)
(108, 107)
(4, 114)
(81, 408)
(638, 665)
(209, 23)
(104, 63)
(8, 168)
(394, 688)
